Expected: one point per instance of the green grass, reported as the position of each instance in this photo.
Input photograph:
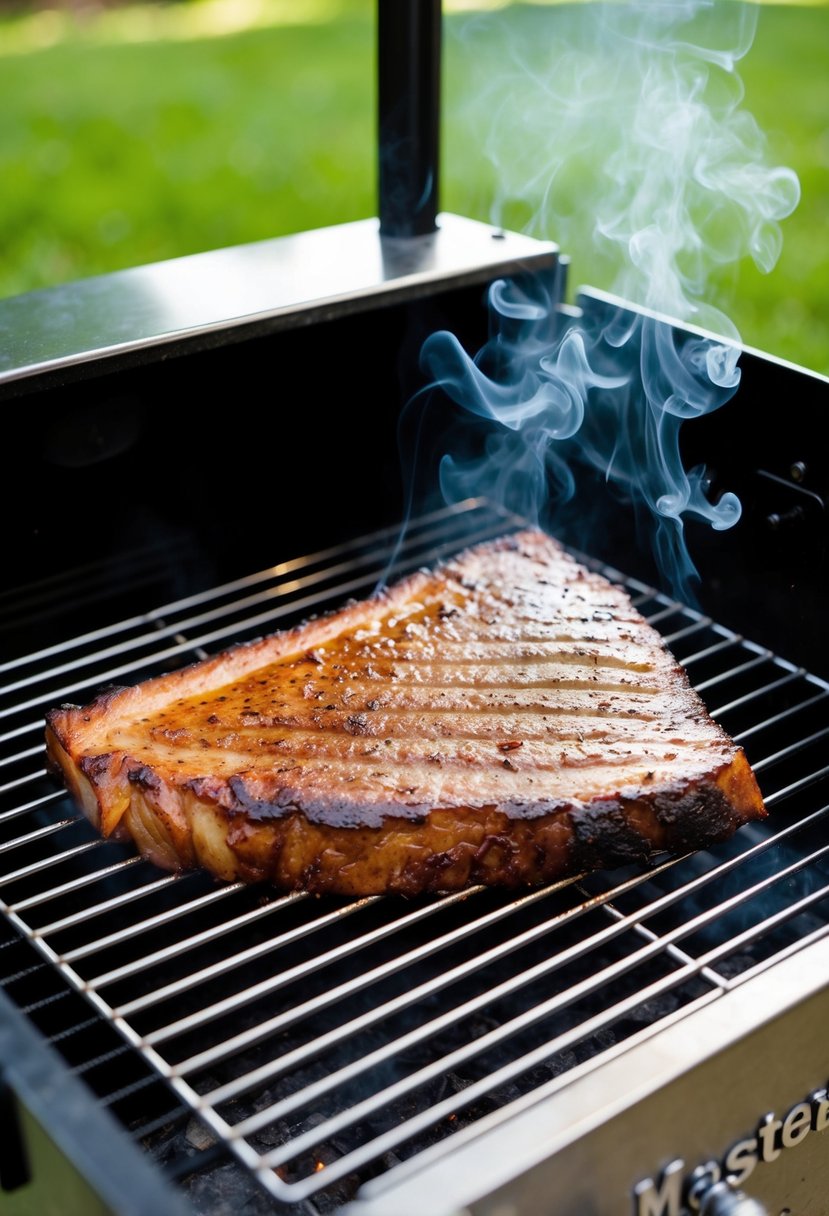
(116, 153)
(148, 133)
(786, 89)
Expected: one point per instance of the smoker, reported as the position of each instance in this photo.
(202, 451)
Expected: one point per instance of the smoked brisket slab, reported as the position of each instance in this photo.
(505, 718)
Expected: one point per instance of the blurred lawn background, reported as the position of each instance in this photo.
(133, 134)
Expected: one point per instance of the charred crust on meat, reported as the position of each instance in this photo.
(144, 777)
(95, 767)
(603, 836)
(260, 809)
(691, 817)
(352, 791)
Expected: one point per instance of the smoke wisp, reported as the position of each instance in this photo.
(621, 125)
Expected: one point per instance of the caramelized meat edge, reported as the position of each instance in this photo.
(505, 719)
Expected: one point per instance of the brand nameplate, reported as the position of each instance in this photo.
(676, 1191)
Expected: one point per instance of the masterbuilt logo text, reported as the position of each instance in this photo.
(677, 1192)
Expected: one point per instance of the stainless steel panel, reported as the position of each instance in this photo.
(686, 1092)
(287, 281)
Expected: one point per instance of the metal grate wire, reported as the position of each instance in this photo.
(321, 1041)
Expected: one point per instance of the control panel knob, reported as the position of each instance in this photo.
(723, 1199)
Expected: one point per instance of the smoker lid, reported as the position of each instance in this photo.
(234, 293)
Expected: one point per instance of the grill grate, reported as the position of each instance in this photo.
(320, 1042)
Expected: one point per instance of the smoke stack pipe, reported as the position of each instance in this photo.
(408, 95)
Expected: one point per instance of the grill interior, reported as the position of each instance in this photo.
(281, 1050)
(272, 1052)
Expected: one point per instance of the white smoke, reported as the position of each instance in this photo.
(617, 128)
(621, 128)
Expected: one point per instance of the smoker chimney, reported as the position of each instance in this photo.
(408, 77)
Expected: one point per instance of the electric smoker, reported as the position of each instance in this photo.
(202, 451)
